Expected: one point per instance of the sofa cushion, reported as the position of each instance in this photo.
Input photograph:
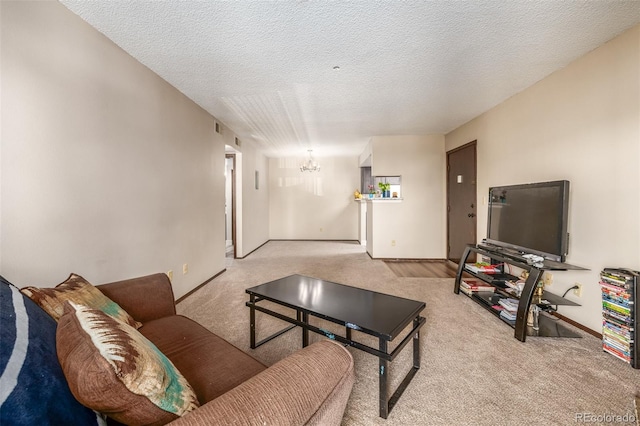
(112, 368)
(309, 387)
(78, 290)
(33, 389)
(212, 365)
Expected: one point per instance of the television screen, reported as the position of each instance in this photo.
(530, 218)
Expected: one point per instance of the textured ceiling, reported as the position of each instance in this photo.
(266, 69)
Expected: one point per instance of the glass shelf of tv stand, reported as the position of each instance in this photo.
(515, 258)
(496, 280)
(548, 326)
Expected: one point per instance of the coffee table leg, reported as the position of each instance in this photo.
(416, 344)
(384, 384)
(305, 330)
(252, 322)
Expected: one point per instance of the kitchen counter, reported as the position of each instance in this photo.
(377, 200)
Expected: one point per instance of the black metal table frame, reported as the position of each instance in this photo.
(386, 402)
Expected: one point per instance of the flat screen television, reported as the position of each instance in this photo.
(530, 218)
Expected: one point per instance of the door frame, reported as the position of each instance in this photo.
(474, 144)
(233, 203)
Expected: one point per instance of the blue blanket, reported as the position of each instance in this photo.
(33, 389)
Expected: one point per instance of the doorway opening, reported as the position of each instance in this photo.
(230, 206)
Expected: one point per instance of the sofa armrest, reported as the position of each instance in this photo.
(144, 298)
(310, 387)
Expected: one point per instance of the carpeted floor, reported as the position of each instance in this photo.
(473, 371)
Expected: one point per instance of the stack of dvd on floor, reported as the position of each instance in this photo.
(620, 313)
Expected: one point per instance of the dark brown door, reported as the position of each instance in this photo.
(461, 200)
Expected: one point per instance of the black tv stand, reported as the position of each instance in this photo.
(547, 327)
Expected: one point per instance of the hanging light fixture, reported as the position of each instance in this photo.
(310, 165)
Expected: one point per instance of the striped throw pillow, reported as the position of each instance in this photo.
(33, 389)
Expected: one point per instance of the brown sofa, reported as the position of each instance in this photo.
(48, 367)
(311, 386)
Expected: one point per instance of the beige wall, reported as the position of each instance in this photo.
(254, 208)
(582, 123)
(313, 205)
(107, 170)
(417, 223)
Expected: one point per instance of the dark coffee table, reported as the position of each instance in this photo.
(377, 314)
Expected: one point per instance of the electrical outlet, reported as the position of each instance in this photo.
(547, 279)
(578, 291)
(170, 275)
(393, 243)
(185, 269)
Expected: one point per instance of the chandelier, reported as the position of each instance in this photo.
(310, 165)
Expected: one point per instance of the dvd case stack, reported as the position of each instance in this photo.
(620, 313)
